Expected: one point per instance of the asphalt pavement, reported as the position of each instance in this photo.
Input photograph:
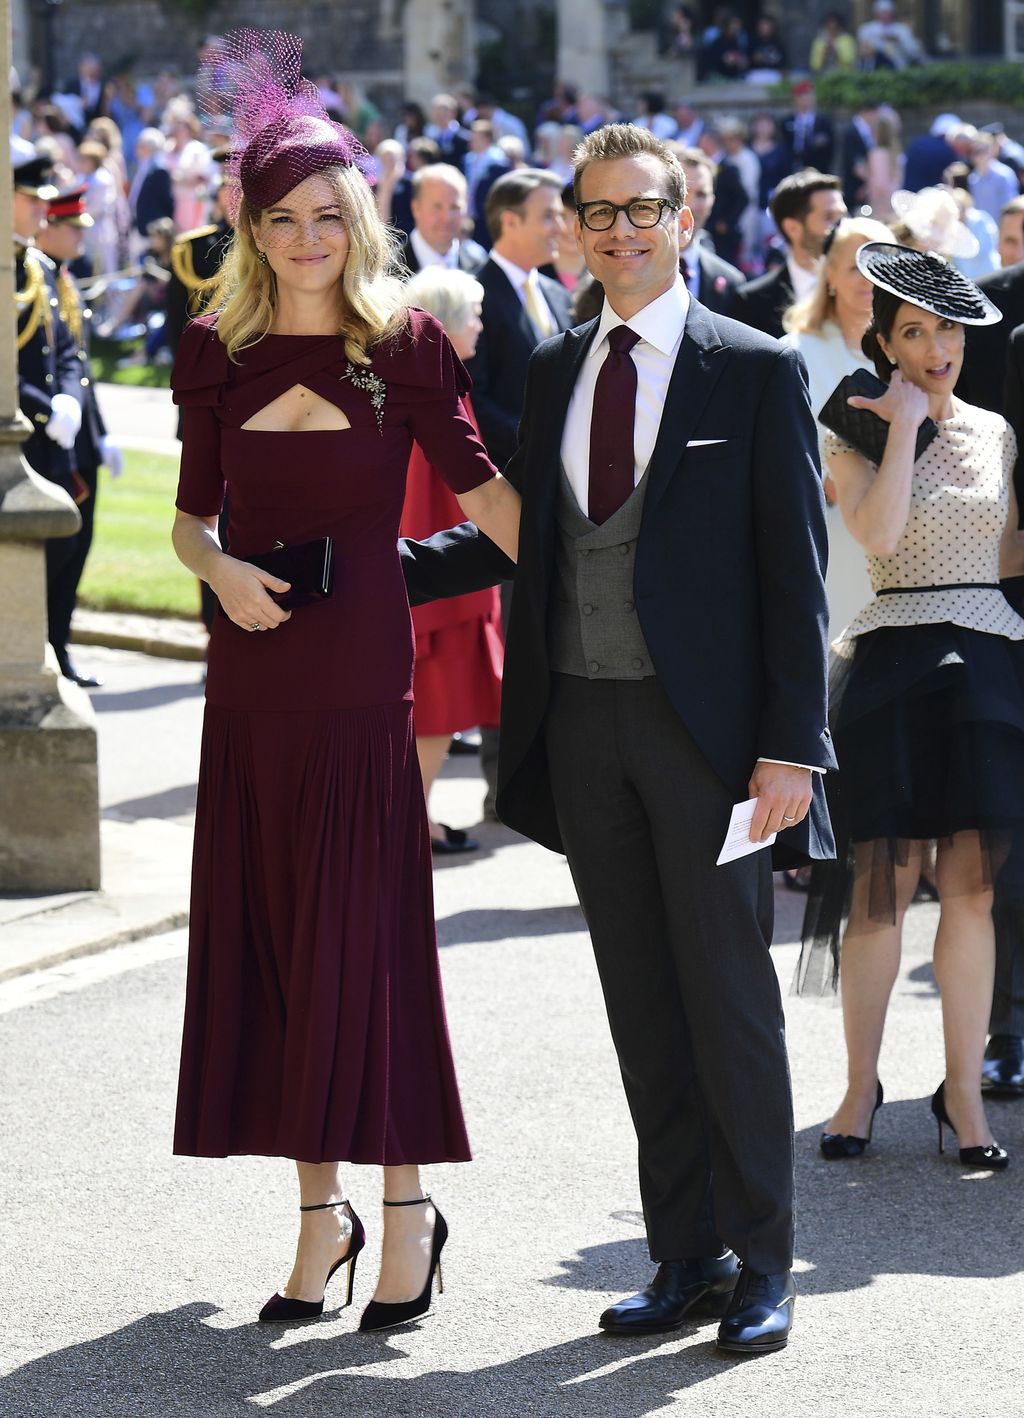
(133, 1278)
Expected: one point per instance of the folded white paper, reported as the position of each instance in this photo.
(737, 840)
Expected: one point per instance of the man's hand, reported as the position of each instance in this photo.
(783, 794)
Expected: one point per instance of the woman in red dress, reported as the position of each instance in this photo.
(459, 649)
(314, 1022)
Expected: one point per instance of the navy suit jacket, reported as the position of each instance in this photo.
(761, 303)
(498, 369)
(729, 586)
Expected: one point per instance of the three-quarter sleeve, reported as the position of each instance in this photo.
(430, 382)
(200, 480)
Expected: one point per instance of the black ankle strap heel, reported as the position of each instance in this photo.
(281, 1309)
(381, 1315)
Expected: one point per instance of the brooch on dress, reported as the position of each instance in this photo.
(373, 385)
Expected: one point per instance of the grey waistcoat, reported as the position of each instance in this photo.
(593, 628)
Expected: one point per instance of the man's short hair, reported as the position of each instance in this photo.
(437, 172)
(694, 157)
(624, 140)
(793, 195)
(1013, 208)
(510, 192)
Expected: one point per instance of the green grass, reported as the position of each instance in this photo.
(132, 566)
(104, 356)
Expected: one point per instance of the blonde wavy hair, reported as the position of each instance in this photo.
(450, 296)
(245, 295)
(808, 315)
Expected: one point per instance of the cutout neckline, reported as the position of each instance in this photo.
(304, 404)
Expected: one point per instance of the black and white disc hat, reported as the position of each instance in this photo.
(929, 281)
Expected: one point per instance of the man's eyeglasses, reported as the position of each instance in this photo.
(640, 212)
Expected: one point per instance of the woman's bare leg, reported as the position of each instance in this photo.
(323, 1235)
(408, 1236)
(431, 750)
(965, 957)
(869, 964)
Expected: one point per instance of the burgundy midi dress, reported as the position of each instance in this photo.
(314, 1020)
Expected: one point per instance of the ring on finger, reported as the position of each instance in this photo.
(788, 819)
(255, 625)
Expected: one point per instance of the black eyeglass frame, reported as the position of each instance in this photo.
(663, 204)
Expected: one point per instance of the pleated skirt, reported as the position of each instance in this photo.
(314, 1019)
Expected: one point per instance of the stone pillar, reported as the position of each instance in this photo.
(588, 31)
(49, 798)
(439, 41)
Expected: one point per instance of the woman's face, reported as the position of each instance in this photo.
(852, 290)
(928, 349)
(304, 237)
(464, 339)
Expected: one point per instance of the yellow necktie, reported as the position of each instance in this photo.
(536, 307)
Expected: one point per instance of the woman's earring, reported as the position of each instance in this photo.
(891, 360)
(261, 257)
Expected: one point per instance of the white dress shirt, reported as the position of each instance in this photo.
(802, 281)
(427, 256)
(519, 277)
(660, 327)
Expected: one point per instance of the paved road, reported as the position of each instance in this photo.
(133, 1278)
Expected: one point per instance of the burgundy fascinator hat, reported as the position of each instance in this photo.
(282, 133)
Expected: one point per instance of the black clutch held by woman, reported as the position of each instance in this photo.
(862, 428)
(308, 567)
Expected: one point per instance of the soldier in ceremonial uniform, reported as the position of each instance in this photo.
(61, 238)
(50, 392)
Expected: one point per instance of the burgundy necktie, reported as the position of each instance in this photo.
(611, 427)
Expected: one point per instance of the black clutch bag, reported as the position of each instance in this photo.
(307, 566)
(861, 428)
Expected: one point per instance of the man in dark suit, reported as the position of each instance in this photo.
(929, 155)
(150, 195)
(666, 659)
(982, 378)
(710, 279)
(520, 307)
(806, 207)
(808, 134)
(858, 139)
(439, 210)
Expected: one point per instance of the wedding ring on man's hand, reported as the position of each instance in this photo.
(788, 819)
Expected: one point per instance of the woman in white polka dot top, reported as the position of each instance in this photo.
(927, 698)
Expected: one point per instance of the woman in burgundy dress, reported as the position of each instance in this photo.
(314, 1023)
(459, 647)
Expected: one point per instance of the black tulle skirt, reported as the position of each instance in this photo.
(928, 727)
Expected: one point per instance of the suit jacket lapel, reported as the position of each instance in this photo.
(564, 372)
(699, 364)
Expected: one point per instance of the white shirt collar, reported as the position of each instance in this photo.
(803, 282)
(427, 256)
(515, 273)
(660, 323)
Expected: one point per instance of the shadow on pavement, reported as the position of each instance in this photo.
(172, 802)
(465, 927)
(148, 697)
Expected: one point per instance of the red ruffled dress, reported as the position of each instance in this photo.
(314, 1020)
(459, 647)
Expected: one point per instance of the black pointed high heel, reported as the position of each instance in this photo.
(994, 1157)
(838, 1146)
(281, 1309)
(380, 1315)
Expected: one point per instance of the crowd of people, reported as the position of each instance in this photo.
(535, 329)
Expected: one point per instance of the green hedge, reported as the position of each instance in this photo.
(942, 84)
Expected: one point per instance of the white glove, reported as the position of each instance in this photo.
(111, 456)
(65, 420)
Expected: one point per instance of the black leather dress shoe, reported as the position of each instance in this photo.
(1002, 1073)
(680, 1289)
(760, 1314)
(68, 670)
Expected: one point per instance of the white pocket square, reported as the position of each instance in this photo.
(705, 442)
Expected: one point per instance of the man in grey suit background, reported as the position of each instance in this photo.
(440, 206)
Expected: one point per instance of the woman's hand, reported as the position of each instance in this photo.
(242, 591)
(902, 402)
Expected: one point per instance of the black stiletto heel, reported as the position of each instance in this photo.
(837, 1146)
(281, 1309)
(380, 1315)
(994, 1157)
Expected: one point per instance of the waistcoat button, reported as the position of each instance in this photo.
(588, 609)
(593, 667)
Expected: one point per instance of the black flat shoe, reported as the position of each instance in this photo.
(463, 745)
(1002, 1073)
(836, 1146)
(68, 670)
(760, 1316)
(681, 1289)
(281, 1309)
(994, 1157)
(380, 1315)
(454, 840)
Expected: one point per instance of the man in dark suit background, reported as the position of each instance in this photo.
(666, 659)
(520, 307)
(983, 376)
(150, 195)
(808, 134)
(858, 139)
(439, 212)
(929, 155)
(710, 279)
(806, 207)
